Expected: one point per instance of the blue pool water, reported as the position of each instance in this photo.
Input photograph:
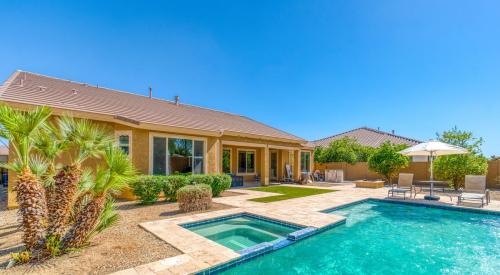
(389, 238)
(242, 232)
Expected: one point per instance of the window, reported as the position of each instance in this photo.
(246, 162)
(305, 160)
(198, 157)
(226, 161)
(159, 156)
(179, 155)
(124, 139)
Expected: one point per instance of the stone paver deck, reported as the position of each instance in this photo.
(201, 253)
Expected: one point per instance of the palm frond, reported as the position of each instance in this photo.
(107, 218)
(88, 138)
(86, 180)
(38, 165)
(21, 127)
(117, 173)
(15, 166)
(48, 142)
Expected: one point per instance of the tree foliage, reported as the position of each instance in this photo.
(343, 150)
(84, 207)
(454, 168)
(387, 161)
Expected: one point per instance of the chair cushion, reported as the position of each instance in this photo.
(400, 190)
(472, 196)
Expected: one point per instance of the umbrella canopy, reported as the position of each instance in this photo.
(433, 148)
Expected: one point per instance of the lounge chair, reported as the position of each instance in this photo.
(405, 184)
(475, 190)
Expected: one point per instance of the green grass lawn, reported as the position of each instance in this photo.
(287, 192)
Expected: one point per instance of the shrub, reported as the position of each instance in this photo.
(200, 179)
(173, 183)
(343, 150)
(387, 161)
(454, 168)
(194, 197)
(148, 188)
(220, 183)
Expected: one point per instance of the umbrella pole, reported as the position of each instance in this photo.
(432, 173)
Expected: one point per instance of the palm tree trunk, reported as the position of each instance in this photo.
(60, 205)
(85, 222)
(32, 206)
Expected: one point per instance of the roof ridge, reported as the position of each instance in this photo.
(390, 134)
(368, 129)
(342, 133)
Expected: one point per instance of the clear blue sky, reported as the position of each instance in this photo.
(312, 68)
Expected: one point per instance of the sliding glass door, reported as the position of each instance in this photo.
(181, 156)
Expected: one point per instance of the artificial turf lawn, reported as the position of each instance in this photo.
(287, 192)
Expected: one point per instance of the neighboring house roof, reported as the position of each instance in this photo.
(4, 151)
(367, 137)
(34, 89)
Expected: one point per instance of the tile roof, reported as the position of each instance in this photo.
(367, 137)
(34, 89)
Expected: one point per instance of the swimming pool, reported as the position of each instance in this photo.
(388, 238)
(242, 231)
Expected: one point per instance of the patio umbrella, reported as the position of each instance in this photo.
(433, 149)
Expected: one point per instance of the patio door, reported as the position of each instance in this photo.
(273, 165)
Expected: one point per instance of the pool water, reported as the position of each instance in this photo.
(389, 238)
(242, 232)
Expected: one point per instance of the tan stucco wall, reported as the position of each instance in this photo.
(213, 161)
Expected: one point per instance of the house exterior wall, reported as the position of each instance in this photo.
(141, 147)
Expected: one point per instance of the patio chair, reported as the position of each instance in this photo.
(318, 176)
(475, 190)
(405, 184)
(288, 174)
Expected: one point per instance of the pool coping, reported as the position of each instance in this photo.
(298, 233)
(244, 258)
(201, 255)
(417, 204)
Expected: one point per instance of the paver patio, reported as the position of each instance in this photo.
(201, 253)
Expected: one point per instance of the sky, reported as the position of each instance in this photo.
(312, 68)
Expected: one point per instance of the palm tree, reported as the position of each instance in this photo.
(49, 145)
(20, 128)
(95, 214)
(84, 140)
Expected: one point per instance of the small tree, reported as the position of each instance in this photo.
(387, 161)
(454, 168)
(342, 150)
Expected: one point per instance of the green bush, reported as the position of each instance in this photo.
(194, 197)
(220, 183)
(172, 184)
(200, 179)
(148, 188)
(387, 161)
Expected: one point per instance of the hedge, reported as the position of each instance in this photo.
(220, 183)
(172, 184)
(194, 197)
(148, 188)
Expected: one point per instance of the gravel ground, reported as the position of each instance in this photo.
(122, 246)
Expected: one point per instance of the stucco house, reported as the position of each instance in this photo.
(164, 137)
